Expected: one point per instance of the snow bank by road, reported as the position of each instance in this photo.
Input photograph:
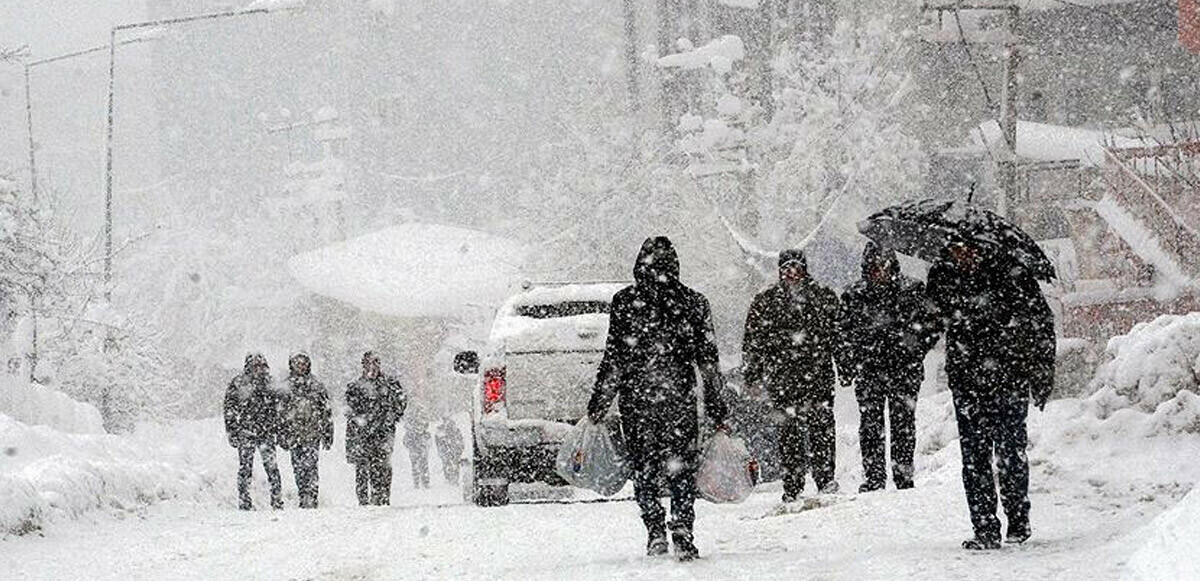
(1150, 365)
(1172, 544)
(43, 406)
(47, 475)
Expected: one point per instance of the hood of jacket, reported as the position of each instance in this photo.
(657, 263)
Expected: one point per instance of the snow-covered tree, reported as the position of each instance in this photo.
(834, 151)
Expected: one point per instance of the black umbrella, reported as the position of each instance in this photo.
(924, 228)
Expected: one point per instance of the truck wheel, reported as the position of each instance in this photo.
(491, 494)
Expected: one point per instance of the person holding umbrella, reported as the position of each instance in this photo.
(1000, 344)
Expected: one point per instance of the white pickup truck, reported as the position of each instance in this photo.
(535, 379)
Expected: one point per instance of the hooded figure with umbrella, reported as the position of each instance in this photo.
(1000, 344)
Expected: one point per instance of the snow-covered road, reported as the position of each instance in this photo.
(889, 535)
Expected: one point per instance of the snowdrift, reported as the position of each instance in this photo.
(1151, 365)
(47, 474)
(43, 406)
(1172, 543)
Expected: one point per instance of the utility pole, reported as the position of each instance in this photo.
(1008, 114)
(629, 11)
(947, 29)
(33, 184)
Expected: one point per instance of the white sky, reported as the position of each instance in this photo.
(52, 27)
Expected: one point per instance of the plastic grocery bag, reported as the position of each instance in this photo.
(728, 472)
(591, 458)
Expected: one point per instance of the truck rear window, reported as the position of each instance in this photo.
(563, 309)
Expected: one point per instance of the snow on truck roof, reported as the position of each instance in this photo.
(415, 270)
(566, 292)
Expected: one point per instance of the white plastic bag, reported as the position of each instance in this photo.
(728, 472)
(590, 458)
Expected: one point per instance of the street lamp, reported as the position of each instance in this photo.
(258, 7)
(29, 66)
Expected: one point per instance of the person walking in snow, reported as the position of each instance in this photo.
(1000, 346)
(660, 333)
(887, 329)
(416, 440)
(375, 403)
(252, 424)
(791, 339)
(449, 440)
(307, 425)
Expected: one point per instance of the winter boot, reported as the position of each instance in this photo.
(1018, 534)
(685, 549)
(656, 546)
(830, 487)
(870, 487)
(978, 543)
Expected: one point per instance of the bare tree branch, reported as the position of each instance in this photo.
(13, 54)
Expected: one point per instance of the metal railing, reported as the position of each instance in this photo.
(1160, 186)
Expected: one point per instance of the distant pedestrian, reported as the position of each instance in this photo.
(252, 423)
(1000, 346)
(660, 334)
(887, 328)
(375, 403)
(449, 440)
(308, 424)
(416, 440)
(792, 336)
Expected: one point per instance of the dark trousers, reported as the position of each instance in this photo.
(373, 479)
(304, 465)
(994, 427)
(450, 467)
(418, 458)
(246, 472)
(678, 469)
(900, 400)
(807, 441)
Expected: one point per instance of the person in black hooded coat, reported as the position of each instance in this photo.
(887, 328)
(792, 338)
(1000, 346)
(252, 424)
(660, 332)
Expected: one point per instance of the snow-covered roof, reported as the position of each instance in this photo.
(1044, 142)
(415, 270)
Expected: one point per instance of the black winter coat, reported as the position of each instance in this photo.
(373, 406)
(1000, 337)
(660, 332)
(791, 340)
(306, 413)
(887, 326)
(251, 411)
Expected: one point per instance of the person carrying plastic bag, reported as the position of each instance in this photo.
(591, 458)
(728, 472)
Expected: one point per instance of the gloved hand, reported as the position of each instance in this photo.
(1039, 401)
